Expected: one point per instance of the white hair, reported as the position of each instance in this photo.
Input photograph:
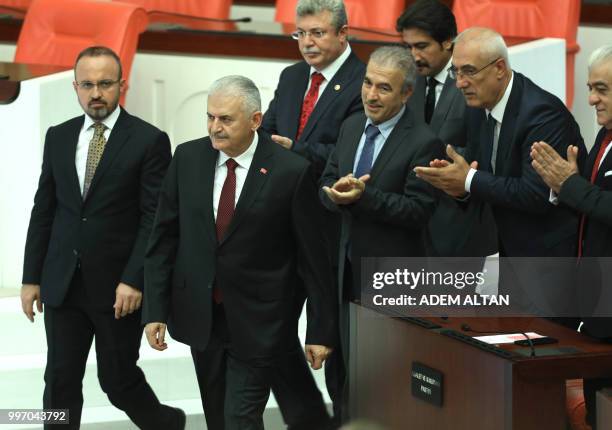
(490, 42)
(238, 86)
(602, 54)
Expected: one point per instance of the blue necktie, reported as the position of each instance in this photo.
(367, 153)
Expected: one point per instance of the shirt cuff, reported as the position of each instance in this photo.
(468, 179)
(553, 198)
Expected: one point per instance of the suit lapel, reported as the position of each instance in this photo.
(393, 142)
(444, 104)
(606, 163)
(119, 135)
(296, 98)
(206, 176)
(333, 90)
(353, 136)
(256, 177)
(509, 126)
(417, 100)
(73, 139)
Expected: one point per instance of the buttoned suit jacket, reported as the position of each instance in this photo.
(271, 257)
(107, 232)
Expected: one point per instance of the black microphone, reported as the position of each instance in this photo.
(200, 18)
(467, 328)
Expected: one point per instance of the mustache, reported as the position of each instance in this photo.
(98, 100)
(311, 51)
(373, 104)
(219, 136)
(421, 63)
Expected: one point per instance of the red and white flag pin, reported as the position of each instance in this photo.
(263, 170)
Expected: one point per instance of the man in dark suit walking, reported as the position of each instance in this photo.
(311, 101)
(84, 254)
(590, 193)
(369, 177)
(428, 29)
(235, 250)
(314, 96)
(507, 113)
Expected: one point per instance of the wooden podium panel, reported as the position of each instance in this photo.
(482, 390)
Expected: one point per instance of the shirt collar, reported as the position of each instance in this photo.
(330, 71)
(109, 121)
(386, 127)
(498, 110)
(244, 159)
(442, 74)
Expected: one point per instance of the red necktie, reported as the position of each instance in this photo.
(600, 154)
(309, 101)
(225, 211)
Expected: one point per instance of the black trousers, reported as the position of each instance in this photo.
(70, 330)
(235, 392)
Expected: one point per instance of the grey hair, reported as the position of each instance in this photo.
(491, 43)
(315, 7)
(397, 57)
(600, 55)
(238, 86)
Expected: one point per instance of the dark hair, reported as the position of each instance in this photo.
(97, 51)
(430, 16)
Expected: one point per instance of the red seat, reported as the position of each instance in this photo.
(527, 18)
(55, 31)
(17, 8)
(361, 13)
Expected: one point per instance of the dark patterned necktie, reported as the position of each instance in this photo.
(94, 154)
(430, 100)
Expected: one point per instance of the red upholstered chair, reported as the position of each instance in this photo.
(527, 18)
(55, 31)
(361, 13)
(188, 12)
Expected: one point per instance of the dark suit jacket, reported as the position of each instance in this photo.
(395, 206)
(595, 202)
(527, 224)
(319, 137)
(271, 255)
(108, 232)
(453, 231)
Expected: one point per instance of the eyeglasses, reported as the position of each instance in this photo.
(467, 71)
(103, 85)
(301, 34)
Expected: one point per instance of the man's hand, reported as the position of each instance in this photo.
(156, 332)
(30, 293)
(553, 169)
(446, 176)
(127, 300)
(316, 355)
(347, 189)
(282, 141)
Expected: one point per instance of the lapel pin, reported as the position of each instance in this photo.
(264, 171)
(337, 87)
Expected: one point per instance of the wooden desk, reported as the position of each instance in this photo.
(12, 74)
(481, 390)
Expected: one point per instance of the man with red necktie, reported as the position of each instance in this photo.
(590, 193)
(234, 252)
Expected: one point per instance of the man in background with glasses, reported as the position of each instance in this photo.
(506, 114)
(84, 254)
(311, 101)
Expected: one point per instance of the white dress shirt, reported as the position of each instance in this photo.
(244, 161)
(441, 78)
(498, 114)
(329, 72)
(85, 136)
